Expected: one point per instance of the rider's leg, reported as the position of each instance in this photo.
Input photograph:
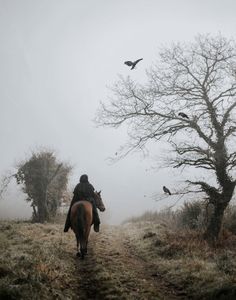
(68, 223)
(96, 219)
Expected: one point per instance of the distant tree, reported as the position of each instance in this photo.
(5, 181)
(189, 101)
(44, 180)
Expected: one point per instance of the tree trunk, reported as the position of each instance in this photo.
(35, 214)
(214, 226)
(42, 211)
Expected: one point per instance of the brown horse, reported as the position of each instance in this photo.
(81, 217)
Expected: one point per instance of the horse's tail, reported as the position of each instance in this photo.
(81, 229)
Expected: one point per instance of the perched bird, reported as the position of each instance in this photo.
(166, 190)
(131, 63)
(183, 115)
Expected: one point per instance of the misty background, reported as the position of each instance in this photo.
(57, 60)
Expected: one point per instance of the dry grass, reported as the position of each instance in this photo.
(38, 262)
(35, 262)
(140, 260)
(184, 259)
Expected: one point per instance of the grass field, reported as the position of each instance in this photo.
(130, 261)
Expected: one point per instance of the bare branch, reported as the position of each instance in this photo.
(5, 181)
(189, 102)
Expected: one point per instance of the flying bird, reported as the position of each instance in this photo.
(183, 115)
(132, 64)
(166, 190)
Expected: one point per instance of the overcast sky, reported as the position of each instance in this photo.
(57, 59)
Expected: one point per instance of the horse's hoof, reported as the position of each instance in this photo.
(78, 254)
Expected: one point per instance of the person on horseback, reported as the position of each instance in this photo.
(84, 191)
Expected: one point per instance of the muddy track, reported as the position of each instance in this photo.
(112, 270)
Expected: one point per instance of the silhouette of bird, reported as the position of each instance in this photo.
(132, 64)
(183, 115)
(166, 190)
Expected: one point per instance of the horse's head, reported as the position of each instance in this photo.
(99, 202)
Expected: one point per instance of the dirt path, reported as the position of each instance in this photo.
(133, 262)
(112, 270)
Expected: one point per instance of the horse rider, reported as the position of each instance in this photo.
(84, 191)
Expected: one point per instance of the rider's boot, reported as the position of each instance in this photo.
(96, 219)
(67, 224)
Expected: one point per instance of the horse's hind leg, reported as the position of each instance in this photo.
(83, 248)
(82, 251)
(84, 243)
(86, 248)
(86, 240)
(82, 255)
(78, 252)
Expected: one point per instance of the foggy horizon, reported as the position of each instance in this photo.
(58, 60)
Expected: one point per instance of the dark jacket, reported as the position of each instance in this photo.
(83, 190)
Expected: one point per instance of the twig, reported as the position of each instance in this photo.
(4, 183)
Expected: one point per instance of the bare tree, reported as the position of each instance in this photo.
(188, 101)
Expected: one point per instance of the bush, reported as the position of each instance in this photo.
(225, 262)
(192, 215)
(229, 221)
(167, 216)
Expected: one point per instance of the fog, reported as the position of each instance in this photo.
(57, 60)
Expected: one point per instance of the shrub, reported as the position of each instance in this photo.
(167, 216)
(192, 215)
(229, 221)
(225, 262)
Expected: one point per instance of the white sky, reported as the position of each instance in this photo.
(57, 59)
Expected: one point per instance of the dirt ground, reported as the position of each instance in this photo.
(112, 270)
(38, 261)
(143, 261)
